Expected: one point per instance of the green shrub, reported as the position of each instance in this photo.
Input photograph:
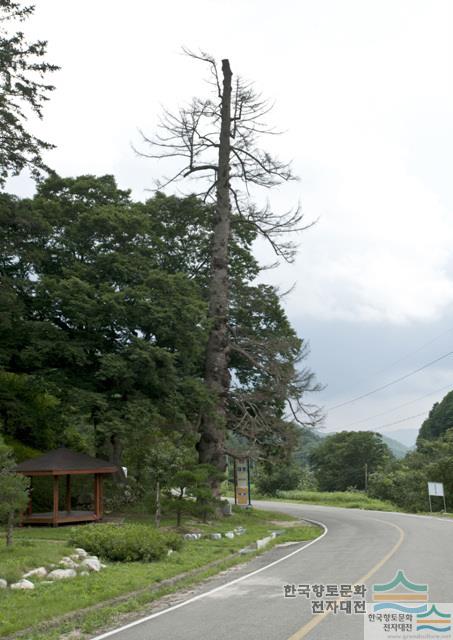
(347, 499)
(125, 543)
(278, 477)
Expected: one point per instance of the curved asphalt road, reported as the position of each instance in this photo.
(359, 546)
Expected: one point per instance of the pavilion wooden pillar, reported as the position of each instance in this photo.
(101, 496)
(98, 495)
(68, 493)
(55, 501)
(30, 497)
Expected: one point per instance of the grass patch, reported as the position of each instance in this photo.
(346, 499)
(110, 614)
(21, 610)
(29, 554)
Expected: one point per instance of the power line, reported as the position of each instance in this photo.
(391, 424)
(411, 353)
(400, 406)
(389, 384)
(405, 357)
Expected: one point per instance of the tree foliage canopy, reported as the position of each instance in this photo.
(439, 420)
(339, 461)
(23, 92)
(104, 325)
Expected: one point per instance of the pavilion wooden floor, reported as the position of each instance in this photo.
(63, 517)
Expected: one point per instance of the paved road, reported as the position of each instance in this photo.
(359, 546)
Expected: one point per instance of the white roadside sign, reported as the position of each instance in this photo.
(435, 488)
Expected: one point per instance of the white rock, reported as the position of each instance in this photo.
(104, 566)
(23, 584)
(263, 542)
(81, 553)
(40, 572)
(245, 550)
(62, 574)
(229, 535)
(84, 573)
(169, 552)
(216, 536)
(3, 584)
(67, 563)
(92, 564)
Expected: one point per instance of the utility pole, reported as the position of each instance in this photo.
(366, 477)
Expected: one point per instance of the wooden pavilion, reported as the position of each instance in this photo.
(64, 462)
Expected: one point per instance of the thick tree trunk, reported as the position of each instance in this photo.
(116, 457)
(9, 529)
(217, 376)
(158, 513)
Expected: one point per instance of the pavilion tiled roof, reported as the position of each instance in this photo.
(64, 461)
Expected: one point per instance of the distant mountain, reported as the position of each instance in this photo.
(407, 437)
(308, 440)
(398, 449)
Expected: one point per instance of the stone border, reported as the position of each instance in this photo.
(167, 582)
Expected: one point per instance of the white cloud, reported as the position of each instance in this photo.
(363, 90)
(384, 253)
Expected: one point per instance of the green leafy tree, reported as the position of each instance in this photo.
(23, 90)
(339, 460)
(104, 328)
(13, 491)
(177, 500)
(27, 410)
(439, 420)
(164, 460)
(272, 478)
(190, 492)
(405, 482)
(268, 400)
(104, 322)
(200, 488)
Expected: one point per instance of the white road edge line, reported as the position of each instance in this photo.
(108, 634)
(355, 509)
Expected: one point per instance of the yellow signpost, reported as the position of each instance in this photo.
(242, 482)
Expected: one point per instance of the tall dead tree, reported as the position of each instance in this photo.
(217, 141)
(217, 374)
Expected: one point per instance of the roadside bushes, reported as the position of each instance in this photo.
(348, 499)
(404, 486)
(125, 543)
(272, 478)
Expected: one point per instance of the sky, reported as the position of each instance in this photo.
(363, 94)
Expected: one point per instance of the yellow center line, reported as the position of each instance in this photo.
(318, 618)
